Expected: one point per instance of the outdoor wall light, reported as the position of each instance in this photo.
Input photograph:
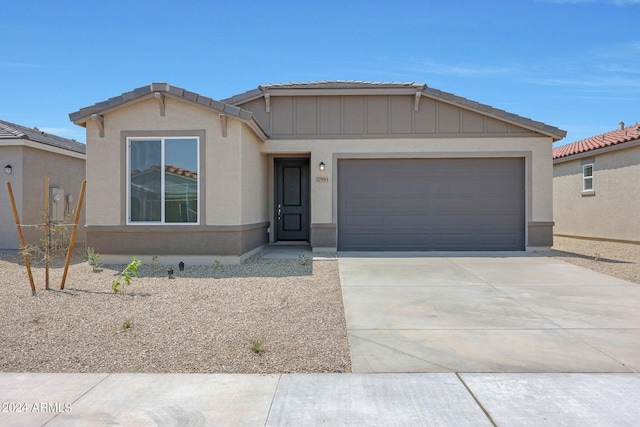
(321, 166)
(8, 169)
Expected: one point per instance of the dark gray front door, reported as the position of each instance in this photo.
(431, 204)
(292, 199)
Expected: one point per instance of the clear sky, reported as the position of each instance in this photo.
(574, 64)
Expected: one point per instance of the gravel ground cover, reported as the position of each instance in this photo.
(621, 260)
(264, 316)
(206, 319)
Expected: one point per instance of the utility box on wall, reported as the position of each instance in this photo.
(56, 204)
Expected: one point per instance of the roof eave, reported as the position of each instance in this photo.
(145, 93)
(555, 133)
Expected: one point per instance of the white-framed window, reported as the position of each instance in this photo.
(162, 180)
(587, 177)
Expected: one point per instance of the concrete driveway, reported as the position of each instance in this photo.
(486, 312)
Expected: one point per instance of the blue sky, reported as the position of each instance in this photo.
(574, 64)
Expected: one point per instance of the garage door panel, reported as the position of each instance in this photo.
(400, 188)
(497, 221)
(364, 204)
(431, 204)
(354, 222)
(363, 187)
(402, 204)
(405, 221)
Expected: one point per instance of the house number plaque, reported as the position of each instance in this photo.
(322, 179)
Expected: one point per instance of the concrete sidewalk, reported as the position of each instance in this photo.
(445, 399)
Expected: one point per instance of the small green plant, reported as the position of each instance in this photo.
(125, 277)
(93, 258)
(155, 264)
(256, 346)
(127, 324)
(304, 259)
(596, 258)
(217, 265)
(284, 301)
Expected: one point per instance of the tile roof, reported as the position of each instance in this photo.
(341, 84)
(13, 131)
(229, 105)
(614, 137)
(325, 84)
(553, 131)
(159, 87)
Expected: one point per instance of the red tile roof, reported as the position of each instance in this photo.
(615, 137)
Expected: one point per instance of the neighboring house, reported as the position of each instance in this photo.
(596, 187)
(26, 155)
(340, 164)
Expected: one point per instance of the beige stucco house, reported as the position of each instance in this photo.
(26, 155)
(340, 164)
(596, 187)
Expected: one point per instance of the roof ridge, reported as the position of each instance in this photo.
(341, 81)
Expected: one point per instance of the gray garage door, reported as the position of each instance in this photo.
(431, 204)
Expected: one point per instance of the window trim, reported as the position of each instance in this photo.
(586, 178)
(162, 138)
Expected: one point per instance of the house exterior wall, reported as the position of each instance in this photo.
(535, 150)
(612, 211)
(28, 185)
(254, 181)
(373, 116)
(227, 227)
(11, 155)
(65, 173)
(237, 170)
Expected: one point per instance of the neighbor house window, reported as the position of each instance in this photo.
(163, 184)
(587, 177)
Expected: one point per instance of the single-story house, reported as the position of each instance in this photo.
(596, 187)
(26, 156)
(346, 165)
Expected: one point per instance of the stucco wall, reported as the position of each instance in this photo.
(255, 180)
(537, 152)
(613, 211)
(106, 168)
(28, 185)
(11, 155)
(65, 173)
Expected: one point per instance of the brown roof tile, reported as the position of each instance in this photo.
(614, 137)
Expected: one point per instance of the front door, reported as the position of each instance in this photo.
(292, 199)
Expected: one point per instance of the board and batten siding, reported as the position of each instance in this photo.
(355, 116)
